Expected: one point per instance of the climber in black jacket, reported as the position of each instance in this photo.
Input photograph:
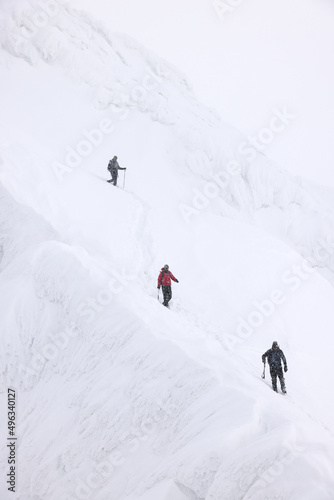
(275, 357)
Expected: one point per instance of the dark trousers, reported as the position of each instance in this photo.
(167, 293)
(113, 179)
(276, 371)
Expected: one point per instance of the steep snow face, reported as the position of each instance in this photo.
(225, 172)
(118, 397)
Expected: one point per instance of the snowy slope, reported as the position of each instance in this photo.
(118, 397)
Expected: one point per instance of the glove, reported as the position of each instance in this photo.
(285, 368)
(158, 287)
(177, 281)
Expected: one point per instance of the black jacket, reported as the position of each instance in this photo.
(275, 356)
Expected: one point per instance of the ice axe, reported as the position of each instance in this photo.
(264, 371)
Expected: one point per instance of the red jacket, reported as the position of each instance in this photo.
(165, 277)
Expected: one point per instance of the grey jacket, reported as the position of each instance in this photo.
(113, 167)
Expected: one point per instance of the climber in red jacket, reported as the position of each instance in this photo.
(164, 281)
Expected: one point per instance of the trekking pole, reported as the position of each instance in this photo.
(264, 370)
(124, 179)
(158, 294)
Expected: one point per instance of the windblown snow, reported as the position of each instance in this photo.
(118, 397)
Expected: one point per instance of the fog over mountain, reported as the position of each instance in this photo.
(245, 58)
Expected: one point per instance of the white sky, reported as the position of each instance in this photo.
(263, 54)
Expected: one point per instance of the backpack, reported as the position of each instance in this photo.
(111, 166)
